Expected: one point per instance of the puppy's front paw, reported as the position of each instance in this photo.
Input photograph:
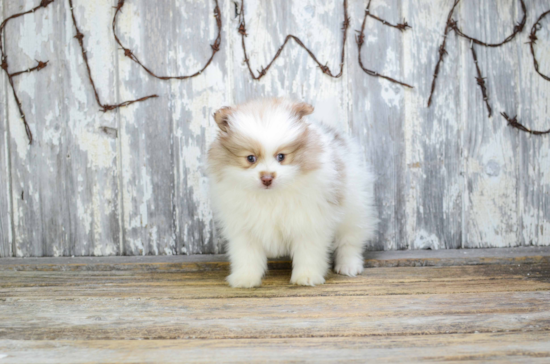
(244, 280)
(306, 278)
(349, 267)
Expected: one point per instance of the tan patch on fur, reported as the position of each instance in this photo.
(218, 158)
(304, 151)
(233, 149)
(221, 117)
(302, 109)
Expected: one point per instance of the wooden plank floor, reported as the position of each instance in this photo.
(173, 311)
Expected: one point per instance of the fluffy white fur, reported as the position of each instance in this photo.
(320, 202)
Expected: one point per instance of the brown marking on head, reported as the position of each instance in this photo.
(304, 151)
(301, 109)
(222, 117)
(232, 149)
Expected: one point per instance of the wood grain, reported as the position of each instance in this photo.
(275, 317)
(433, 192)
(534, 153)
(259, 314)
(5, 206)
(491, 163)
(68, 177)
(146, 130)
(195, 263)
(193, 104)
(517, 347)
(173, 284)
(376, 116)
(412, 314)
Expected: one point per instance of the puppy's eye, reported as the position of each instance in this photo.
(280, 157)
(251, 158)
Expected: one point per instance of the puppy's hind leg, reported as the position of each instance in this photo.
(348, 257)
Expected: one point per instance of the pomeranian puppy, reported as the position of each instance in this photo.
(284, 185)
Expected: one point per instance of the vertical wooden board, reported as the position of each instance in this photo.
(377, 113)
(64, 184)
(52, 181)
(294, 74)
(532, 111)
(5, 208)
(432, 184)
(91, 159)
(490, 146)
(37, 215)
(146, 128)
(194, 101)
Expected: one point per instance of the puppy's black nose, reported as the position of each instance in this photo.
(267, 179)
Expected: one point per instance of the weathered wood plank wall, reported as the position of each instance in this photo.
(131, 181)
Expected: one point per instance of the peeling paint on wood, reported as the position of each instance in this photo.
(132, 181)
(5, 206)
(491, 147)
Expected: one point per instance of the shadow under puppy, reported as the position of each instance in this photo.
(283, 185)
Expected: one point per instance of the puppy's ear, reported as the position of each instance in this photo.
(302, 109)
(221, 116)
